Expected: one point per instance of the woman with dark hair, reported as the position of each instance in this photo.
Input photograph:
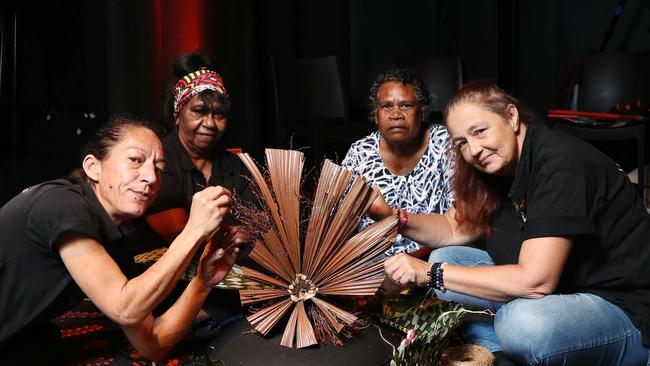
(567, 266)
(184, 65)
(407, 157)
(197, 106)
(63, 241)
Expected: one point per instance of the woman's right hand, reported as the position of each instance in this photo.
(209, 207)
(407, 271)
(379, 209)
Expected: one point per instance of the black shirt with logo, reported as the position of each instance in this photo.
(563, 186)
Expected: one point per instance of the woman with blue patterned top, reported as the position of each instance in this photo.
(407, 158)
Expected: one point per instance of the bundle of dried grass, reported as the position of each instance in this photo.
(333, 259)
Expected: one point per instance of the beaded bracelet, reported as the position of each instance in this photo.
(402, 218)
(435, 278)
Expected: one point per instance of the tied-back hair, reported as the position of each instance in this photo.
(184, 64)
(406, 77)
(476, 193)
(107, 136)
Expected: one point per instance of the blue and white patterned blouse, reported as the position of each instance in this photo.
(426, 189)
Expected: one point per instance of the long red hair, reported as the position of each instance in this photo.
(476, 193)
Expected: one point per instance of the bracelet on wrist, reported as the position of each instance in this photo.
(435, 278)
(429, 283)
(402, 218)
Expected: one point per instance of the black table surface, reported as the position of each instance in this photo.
(234, 346)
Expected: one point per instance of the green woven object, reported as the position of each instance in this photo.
(234, 280)
(427, 329)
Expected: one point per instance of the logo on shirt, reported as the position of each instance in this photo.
(520, 207)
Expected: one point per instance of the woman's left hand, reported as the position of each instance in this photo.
(217, 260)
(406, 271)
(233, 236)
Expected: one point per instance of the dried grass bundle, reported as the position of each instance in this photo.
(334, 260)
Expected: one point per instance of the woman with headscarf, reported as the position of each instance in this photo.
(197, 106)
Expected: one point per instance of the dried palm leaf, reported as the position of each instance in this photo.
(334, 260)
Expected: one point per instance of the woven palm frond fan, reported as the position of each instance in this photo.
(334, 259)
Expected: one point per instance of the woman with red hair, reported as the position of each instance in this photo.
(567, 265)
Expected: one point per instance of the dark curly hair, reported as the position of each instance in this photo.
(183, 65)
(406, 77)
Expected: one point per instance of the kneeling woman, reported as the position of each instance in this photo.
(567, 266)
(61, 243)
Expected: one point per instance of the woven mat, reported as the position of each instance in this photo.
(234, 280)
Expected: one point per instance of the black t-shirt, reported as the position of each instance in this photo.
(565, 187)
(182, 179)
(34, 283)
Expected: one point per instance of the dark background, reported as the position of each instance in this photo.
(65, 65)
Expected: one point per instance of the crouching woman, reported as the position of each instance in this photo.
(62, 241)
(566, 269)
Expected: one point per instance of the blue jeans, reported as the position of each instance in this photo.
(575, 329)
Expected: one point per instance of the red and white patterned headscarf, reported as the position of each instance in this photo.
(194, 83)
